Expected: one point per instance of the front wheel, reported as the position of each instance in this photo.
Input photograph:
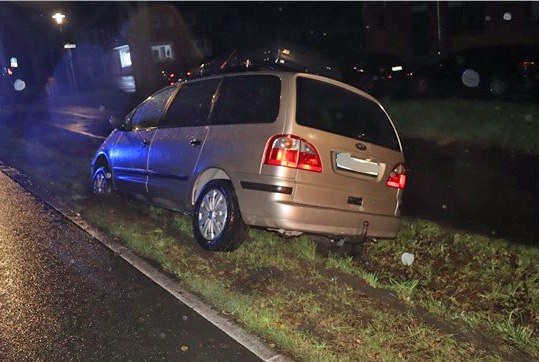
(101, 182)
(217, 222)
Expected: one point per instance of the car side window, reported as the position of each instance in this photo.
(149, 113)
(191, 106)
(248, 99)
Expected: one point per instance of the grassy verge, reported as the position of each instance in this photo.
(510, 126)
(280, 288)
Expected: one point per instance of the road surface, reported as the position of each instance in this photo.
(65, 296)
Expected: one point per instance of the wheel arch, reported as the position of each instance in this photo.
(203, 179)
(101, 161)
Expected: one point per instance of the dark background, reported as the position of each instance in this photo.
(198, 31)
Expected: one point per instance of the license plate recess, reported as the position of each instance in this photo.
(346, 162)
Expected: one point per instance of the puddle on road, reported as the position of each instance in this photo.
(473, 187)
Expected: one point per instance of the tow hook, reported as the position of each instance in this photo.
(353, 246)
(364, 233)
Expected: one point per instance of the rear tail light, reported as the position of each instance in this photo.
(292, 151)
(526, 64)
(397, 177)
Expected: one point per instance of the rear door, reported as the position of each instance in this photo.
(358, 146)
(178, 142)
(129, 156)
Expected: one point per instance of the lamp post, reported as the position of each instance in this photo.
(59, 18)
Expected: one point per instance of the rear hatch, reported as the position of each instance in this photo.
(362, 165)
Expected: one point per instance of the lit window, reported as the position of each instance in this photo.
(125, 56)
(162, 52)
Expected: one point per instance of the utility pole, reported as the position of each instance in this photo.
(59, 17)
(439, 25)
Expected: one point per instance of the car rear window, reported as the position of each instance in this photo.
(248, 99)
(333, 109)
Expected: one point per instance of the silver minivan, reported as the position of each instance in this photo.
(287, 151)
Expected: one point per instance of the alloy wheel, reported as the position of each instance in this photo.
(212, 215)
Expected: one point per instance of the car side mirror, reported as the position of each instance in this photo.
(117, 123)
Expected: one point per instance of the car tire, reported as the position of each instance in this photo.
(217, 221)
(101, 181)
(497, 87)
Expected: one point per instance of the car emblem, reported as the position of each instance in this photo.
(361, 146)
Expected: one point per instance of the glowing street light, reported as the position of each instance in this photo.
(59, 17)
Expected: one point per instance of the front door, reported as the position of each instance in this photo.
(129, 157)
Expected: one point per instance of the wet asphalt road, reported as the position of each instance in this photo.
(65, 296)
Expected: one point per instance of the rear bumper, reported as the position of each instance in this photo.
(277, 202)
(293, 217)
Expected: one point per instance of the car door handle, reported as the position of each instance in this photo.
(194, 142)
(145, 143)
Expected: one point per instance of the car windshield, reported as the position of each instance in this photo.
(333, 109)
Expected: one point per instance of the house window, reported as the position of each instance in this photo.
(162, 52)
(125, 56)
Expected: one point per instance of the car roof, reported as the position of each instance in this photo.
(285, 74)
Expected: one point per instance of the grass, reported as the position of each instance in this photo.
(510, 126)
(278, 287)
(484, 282)
(405, 290)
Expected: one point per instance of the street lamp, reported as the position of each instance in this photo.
(59, 18)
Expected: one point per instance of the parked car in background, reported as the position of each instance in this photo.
(486, 72)
(287, 151)
(377, 74)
